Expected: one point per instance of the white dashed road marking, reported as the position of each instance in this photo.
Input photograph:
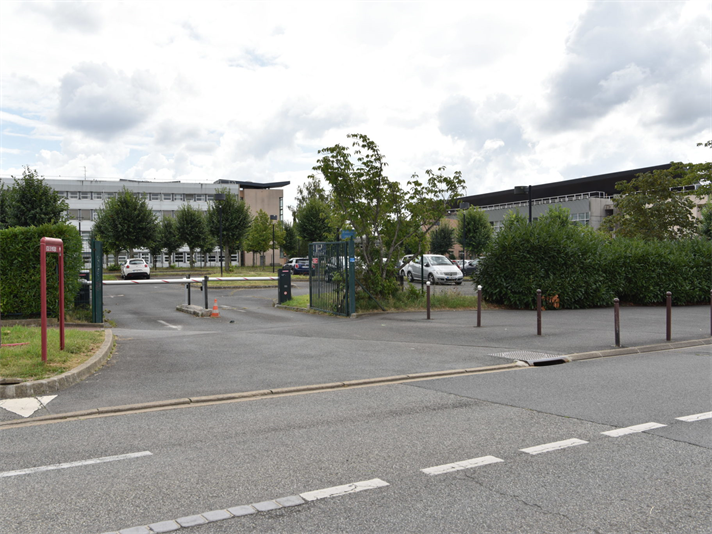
(555, 446)
(170, 325)
(632, 429)
(26, 406)
(465, 464)
(343, 490)
(80, 463)
(696, 417)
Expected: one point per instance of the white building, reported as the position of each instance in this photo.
(85, 197)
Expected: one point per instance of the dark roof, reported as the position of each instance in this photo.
(252, 185)
(605, 183)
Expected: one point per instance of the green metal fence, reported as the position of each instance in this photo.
(331, 277)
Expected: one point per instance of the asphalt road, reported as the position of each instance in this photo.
(175, 466)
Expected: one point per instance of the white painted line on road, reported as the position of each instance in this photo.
(632, 429)
(696, 417)
(465, 464)
(555, 446)
(80, 463)
(170, 325)
(343, 490)
(26, 406)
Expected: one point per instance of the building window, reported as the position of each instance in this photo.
(210, 198)
(199, 198)
(581, 218)
(73, 195)
(96, 195)
(85, 195)
(155, 197)
(178, 197)
(281, 208)
(167, 197)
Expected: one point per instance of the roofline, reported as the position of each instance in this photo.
(252, 185)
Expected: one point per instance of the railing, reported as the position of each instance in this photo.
(548, 200)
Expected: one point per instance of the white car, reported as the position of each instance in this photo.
(437, 269)
(135, 268)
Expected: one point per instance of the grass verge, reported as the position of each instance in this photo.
(25, 361)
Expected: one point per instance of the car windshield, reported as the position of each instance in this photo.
(439, 260)
(136, 262)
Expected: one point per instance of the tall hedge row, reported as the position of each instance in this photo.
(20, 269)
(576, 267)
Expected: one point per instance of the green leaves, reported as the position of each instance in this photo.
(126, 222)
(30, 202)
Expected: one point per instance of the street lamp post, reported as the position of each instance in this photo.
(464, 206)
(273, 218)
(219, 197)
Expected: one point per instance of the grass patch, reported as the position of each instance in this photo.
(301, 301)
(25, 361)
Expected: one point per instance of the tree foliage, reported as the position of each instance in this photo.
(192, 229)
(312, 220)
(170, 240)
(125, 222)
(657, 204)
(260, 234)
(291, 240)
(442, 239)
(31, 202)
(704, 228)
(474, 231)
(236, 221)
(383, 214)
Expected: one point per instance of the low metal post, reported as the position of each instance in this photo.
(617, 321)
(205, 290)
(538, 312)
(710, 312)
(668, 325)
(187, 291)
(428, 298)
(479, 306)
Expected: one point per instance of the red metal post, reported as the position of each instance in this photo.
(52, 245)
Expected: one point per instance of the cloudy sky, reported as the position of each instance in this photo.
(507, 92)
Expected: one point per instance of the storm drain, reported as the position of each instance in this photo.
(533, 358)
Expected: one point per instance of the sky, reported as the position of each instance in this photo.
(506, 92)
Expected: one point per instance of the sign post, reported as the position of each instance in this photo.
(52, 246)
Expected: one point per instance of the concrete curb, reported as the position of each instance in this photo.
(65, 380)
(640, 350)
(264, 393)
(192, 309)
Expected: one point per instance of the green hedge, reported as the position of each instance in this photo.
(583, 268)
(20, 269)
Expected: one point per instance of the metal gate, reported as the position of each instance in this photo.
(331, 277)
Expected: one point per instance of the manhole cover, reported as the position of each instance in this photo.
(532, 358)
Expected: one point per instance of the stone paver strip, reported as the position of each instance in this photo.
(266, 506)
(239, 511)
(164, 526)
(217, 515)
(191, 521)
(292, 500)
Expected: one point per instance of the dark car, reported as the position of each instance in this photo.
(298, 265)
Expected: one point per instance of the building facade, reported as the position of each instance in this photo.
(85, 197)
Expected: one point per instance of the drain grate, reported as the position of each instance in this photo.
(532, 358)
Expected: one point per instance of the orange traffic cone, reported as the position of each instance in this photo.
(215, 313)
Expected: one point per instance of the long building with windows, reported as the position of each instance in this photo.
(85, 197)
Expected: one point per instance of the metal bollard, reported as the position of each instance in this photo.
(479, 306)
(668, 329)
(187, 291)
(205, 290)
(538, 312)
(428, 298)
(617, 321)
(710, 312)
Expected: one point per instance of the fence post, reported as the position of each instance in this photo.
(617, 321)
(710, 312)
(668, 329)
(428, 298)
(538, 312)
(479, 306)
(205, 290)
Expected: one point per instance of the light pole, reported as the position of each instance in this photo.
(219, 197)
(464, 206)
(522, 190)
(273, 218)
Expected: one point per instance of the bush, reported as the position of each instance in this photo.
(20, 269)
(576, 267)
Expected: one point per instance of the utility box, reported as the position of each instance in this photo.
(284, 284)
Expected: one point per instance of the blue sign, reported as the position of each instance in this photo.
(347, 234)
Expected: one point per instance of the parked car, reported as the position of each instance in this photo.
(470, 266)
(298, 265)
(400, 268)
(436, 269)
(135, 268)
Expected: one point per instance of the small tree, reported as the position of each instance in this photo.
(291, 240)
(260, 235)
(170, 240)
(236, 220)
(474, 231)
(312, 221)
(30, 202)
(442, 239)
(155, 247)
(705, 226)
(192, 229)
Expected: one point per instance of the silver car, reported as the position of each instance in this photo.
(436, 269)
(135, 268)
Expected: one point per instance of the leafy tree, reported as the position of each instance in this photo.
(312, 221)
(30, 202)
(236, 221)
(654, 205)
(260, 235)
(3, 206)
(207, 245)
(474, 231)
(291, 240)
(125, 222)
(155, 247)
(192, 229)
(442, 239)
(170, 240)
(384, 214)
(312, 188)
(705, 225)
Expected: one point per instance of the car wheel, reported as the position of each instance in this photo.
(410, 277)
(431, 279)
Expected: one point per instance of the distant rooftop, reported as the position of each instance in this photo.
(252, 185)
